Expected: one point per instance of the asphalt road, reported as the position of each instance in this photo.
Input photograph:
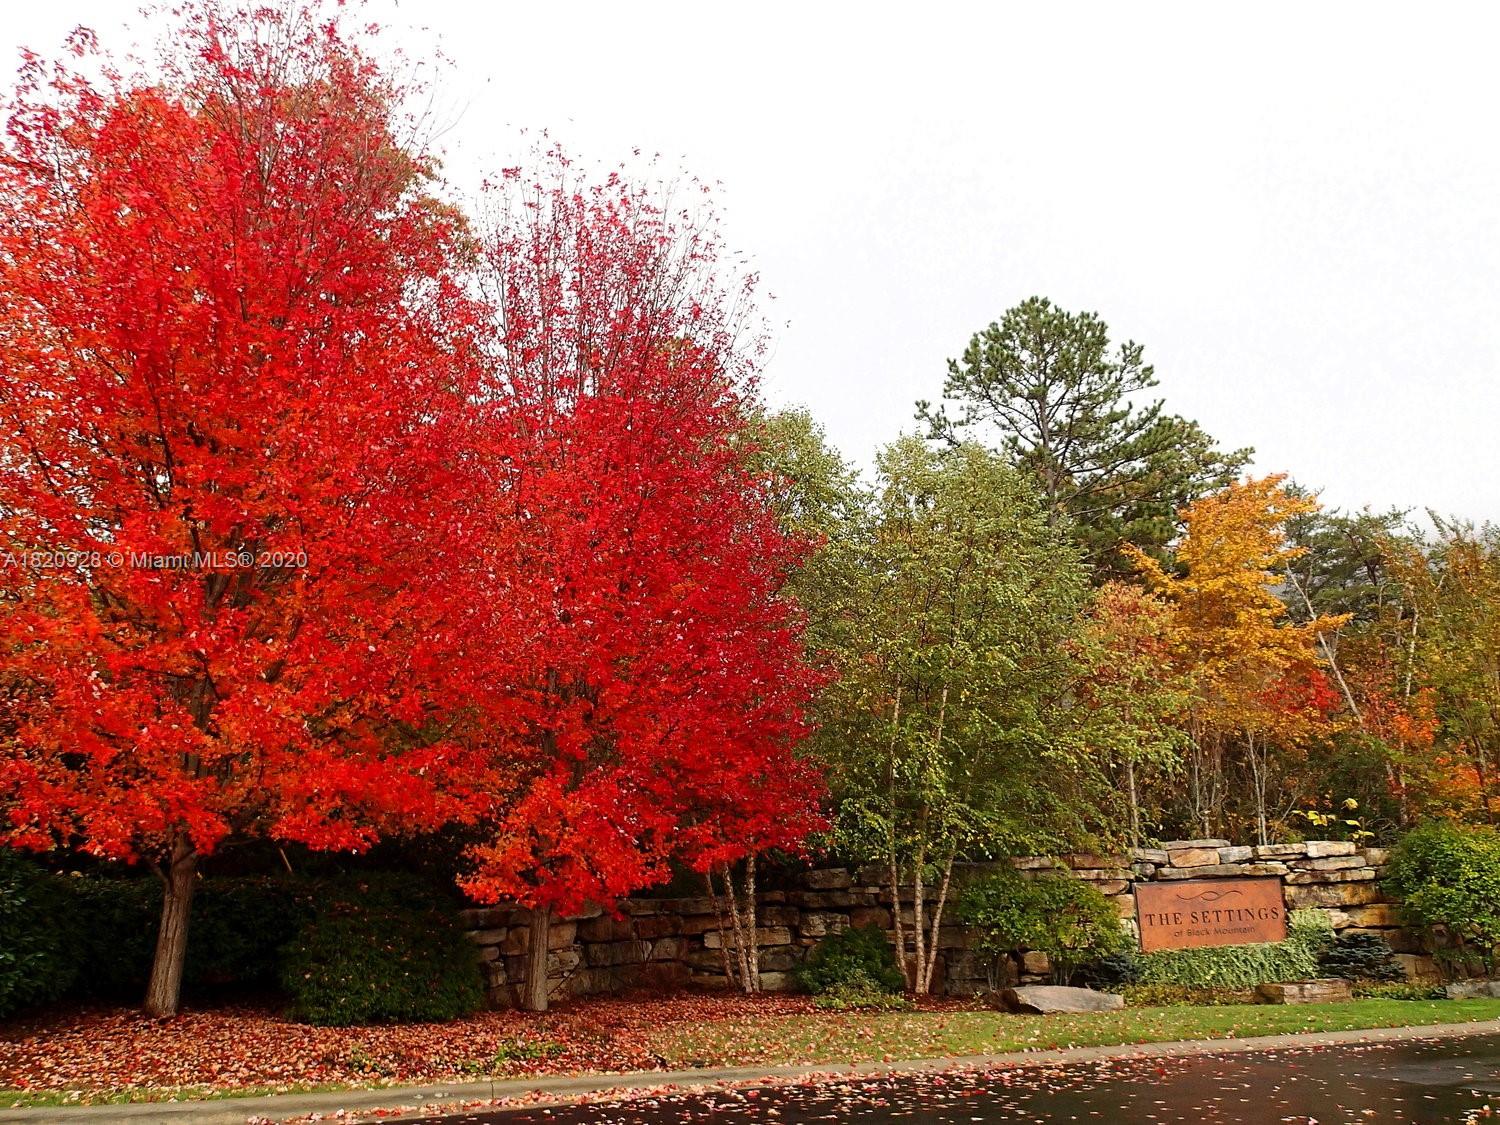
(1421, 1081)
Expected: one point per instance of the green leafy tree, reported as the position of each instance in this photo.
(1045, 387)
(1452, 586)
(1133, 696)
(947, 729)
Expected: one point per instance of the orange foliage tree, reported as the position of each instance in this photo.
(1258, 680)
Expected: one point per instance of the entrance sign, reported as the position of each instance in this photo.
(1202, 912)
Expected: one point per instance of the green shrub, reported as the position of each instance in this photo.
(38, 940)
(1384, 990)
(860, 993)
(239, 926)
(1242, 966)
(118, 923)
(1063, 917)
(1183, 996)
(1447, 878)
(1360, 957)
(861, 956)
(235, 933)
(369, 958)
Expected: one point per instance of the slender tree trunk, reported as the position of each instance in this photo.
(741, 942)
(900, 932)
(1328, 652)
(1135, 803)
(896, 926)
(164, 991)
(1258, 784)
(719, 914)
(752, 926)
(917, 906)
(534, 989)
(937, 924)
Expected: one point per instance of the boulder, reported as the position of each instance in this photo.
(862, 916)
(779, 915)
(1354, 875)
(1035, 961)
(1378, 914)
(610, 953)
(1279, 851)
(1033, 863)
(651, 926)
(1472, 989)
(1419, 967)
(1330, 863)
(819, 923)
(824, 900)
(1221, 871)
(668, 949)
(767, 935)
(827, 879)
(606, 928)
(1044, 999)
(1317, 849)
(1175, 845)
(1089, 861)
(1332, 894)
(1193, 857)
(1323, 991)
(1102, 874)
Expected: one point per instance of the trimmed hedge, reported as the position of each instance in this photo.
(377, 957)
(37, 945)
(93, 937)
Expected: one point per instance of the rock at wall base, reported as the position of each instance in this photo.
(1472, 989)
(1044, 999)
(1325, 991)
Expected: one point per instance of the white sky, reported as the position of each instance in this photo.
(1294, 207)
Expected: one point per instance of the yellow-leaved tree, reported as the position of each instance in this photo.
(1258, 685)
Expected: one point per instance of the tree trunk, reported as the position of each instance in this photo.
(741, 939)
(713, 894)
(752, 925)
(900, 933)
(917, 915)
(164, 992)
(1135, 803)
(937, 925)
(534, 989)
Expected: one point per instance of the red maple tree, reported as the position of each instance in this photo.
(660, 666)
(236, 388)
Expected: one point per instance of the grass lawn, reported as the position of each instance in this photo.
(861, 1036)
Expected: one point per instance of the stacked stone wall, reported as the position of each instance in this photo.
(676, 942)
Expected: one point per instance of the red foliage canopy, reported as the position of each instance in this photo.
(658, 665)
(235, 383)
(496, 553)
